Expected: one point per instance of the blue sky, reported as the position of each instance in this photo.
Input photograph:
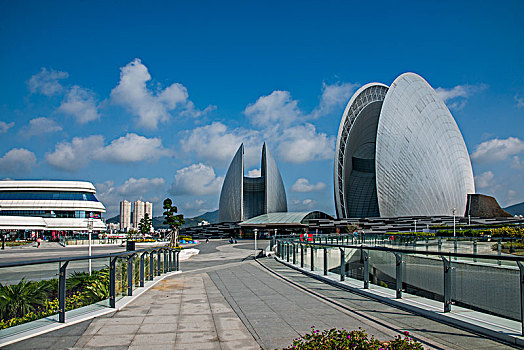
(152, 99)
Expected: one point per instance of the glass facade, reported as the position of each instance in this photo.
(78, 214)
(47, 195)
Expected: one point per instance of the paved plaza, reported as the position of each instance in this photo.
(223, 299)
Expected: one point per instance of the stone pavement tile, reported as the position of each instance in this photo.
(183, 337)
(132, 312)
(160, 319)
(110, 340)
(240, 345)
(121, 347)
(34, 343)
(118, 329)
(234, 334)
(120, 319)
(156, 347)
(195, 308)
(226, 323)
(203, 326)
(165, 310)
(82, 341)
(65, 342)
(149, 340)
(157, 328)
(199, 346)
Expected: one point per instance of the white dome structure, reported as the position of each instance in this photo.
(400, 153)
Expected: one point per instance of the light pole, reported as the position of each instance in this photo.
(415, 221)
(255, 231)
(89, 231)
(454, 232)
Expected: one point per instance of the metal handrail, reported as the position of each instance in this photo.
(283, 252)
(171, 262)
(411, 251)
(83, 257)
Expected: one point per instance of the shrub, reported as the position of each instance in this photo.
(355, 340)
(22, 298)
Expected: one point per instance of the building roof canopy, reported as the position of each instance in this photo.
(284, 219)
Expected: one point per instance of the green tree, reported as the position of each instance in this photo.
(144, 226)
(173, 220)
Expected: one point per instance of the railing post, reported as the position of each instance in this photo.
(142, 265)
(499, 250)
(447, 284)
(427, 244)
(342, 264)
(62, 292)
(166, 262)
(151, 265)
(475, 249)
(398, 275)
(159, 263)
(287, 251)
(312, 259)
(521, 270)
(455, 248)
(440, 244)
(130, 275)
(302, 256)
(365, 257)
(294, 253)
(177, 256)
(325, 262)
(112, 282)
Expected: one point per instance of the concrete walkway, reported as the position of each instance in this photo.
(225, 300)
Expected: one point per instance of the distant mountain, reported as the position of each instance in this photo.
(517, 209)
(113, 220)
(158, 221)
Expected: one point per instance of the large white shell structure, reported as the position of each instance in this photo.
(400, 153)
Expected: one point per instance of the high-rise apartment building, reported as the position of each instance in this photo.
(125, 215)
(138, 212)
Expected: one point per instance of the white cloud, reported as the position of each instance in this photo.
(39, 126)
(306, 204)
(274, 109)
(196, 179)
(81, 104)
(196, 204)
(254, 173)
(520, 101)
(17, 161)
(217, 145)
(456, 97)
(74, 155)
(149, 106)
(517, 163)
(5, 126)
(138, 187)
(333, 96)
(46, 82)
(132, 148)
(303, 143)
(497, 149)
(303, 185)
(484, 180)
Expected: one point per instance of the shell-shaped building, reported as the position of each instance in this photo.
(400, 153)
(245, 197)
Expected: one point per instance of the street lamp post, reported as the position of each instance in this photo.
(90, 231)
(454, 231)
(255, 230)
(415, 221)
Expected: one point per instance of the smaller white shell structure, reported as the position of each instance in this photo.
(400, 153)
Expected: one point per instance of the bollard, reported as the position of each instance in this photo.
(365, 257)
(398, 275)
(475, 249)
(312, 259)
(342, 264)
(447, 284)
(301, 256)
(62, 292)
(294, 253)
(325, 262)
